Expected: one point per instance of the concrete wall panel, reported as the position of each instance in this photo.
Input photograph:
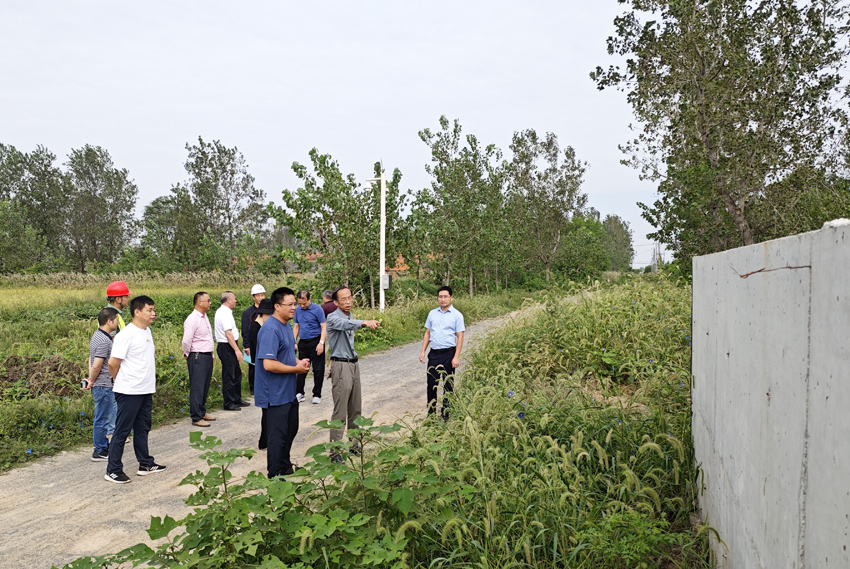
(752, 387)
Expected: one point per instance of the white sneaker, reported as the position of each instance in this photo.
(317, 400)
(299, 397)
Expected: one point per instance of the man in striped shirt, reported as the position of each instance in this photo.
(198, 348)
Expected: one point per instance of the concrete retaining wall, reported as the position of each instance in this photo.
(771, 399)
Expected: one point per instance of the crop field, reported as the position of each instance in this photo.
(569, 446)
(46, 323)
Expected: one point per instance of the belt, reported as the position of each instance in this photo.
(346, 360)
(202, 353)
(442, 350)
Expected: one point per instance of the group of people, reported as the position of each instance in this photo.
(283, 336)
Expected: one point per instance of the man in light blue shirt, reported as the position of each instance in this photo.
(444, 330)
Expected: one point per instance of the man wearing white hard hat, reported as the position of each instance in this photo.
(258, 293)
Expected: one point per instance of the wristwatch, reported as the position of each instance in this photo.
(322, 342)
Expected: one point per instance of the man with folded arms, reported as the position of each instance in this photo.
(345, 369)
(198, 348)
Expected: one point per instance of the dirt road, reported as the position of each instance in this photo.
(61, 508)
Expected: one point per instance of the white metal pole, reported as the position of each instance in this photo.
(383, 238)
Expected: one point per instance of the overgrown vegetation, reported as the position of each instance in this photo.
(44, 345)
(569, 446)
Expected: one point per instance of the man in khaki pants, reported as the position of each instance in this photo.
(345, 370)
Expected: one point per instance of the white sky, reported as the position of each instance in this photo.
(357, 80)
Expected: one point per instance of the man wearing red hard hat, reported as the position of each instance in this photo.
(118, 296)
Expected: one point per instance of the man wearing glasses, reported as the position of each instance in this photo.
(345, 371)
(275, 383)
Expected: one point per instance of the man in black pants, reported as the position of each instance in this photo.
(274, 387)
(444, 330)
(227, 337)
(310, 327)
(133, 365)
(198, 349)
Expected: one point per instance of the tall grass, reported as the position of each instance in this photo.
(553, 457)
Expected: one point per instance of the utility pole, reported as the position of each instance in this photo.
(383, 279)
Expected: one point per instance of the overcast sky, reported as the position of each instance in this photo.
(357, 80)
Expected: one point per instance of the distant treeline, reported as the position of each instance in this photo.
(485, 222)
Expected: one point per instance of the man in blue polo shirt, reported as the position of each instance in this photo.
(444, 330)
(311, 330)
(274, 381)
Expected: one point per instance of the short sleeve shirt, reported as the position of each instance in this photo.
(310, 321)
(101, 347)
(134, 347)
(444, 327)
(275, 341)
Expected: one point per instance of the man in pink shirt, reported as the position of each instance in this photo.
(198, 349)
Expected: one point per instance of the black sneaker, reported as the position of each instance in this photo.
(117, 477)
(337, 458)
(244, 403)
(145, 470)
(99, 456)
(291, 470)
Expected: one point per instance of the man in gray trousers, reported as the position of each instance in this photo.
(345, 370)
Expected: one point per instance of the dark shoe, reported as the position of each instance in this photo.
(99, 456)
(337, 458)
(145, 470)
(355, 449)
(244, 403)
(233, 408)
(290, 470)
(117, 477)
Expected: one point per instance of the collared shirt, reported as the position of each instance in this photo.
(309, 321)
(224, 321)
(274, 342)
(444, 327)
(137, 374)
(120, 321)
(341, 334)
(101, 347)
(328, 308)
(197, 334)
(246, 326)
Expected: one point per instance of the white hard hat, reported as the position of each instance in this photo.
(257, 289)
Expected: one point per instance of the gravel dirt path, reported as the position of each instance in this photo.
(61, 508)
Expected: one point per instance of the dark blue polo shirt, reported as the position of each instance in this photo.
(274, 342)
(309, 321)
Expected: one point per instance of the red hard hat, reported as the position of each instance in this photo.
(118, 288)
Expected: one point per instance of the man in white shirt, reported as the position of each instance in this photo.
(227, 338)
(133, 365)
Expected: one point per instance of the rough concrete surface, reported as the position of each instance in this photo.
(770, 399)
(61, 508)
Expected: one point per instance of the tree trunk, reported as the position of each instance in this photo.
(418, 270)
(547, 271)
(372, 291)
(736, 210)
(470, 280)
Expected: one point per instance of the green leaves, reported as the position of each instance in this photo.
(734, 96)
